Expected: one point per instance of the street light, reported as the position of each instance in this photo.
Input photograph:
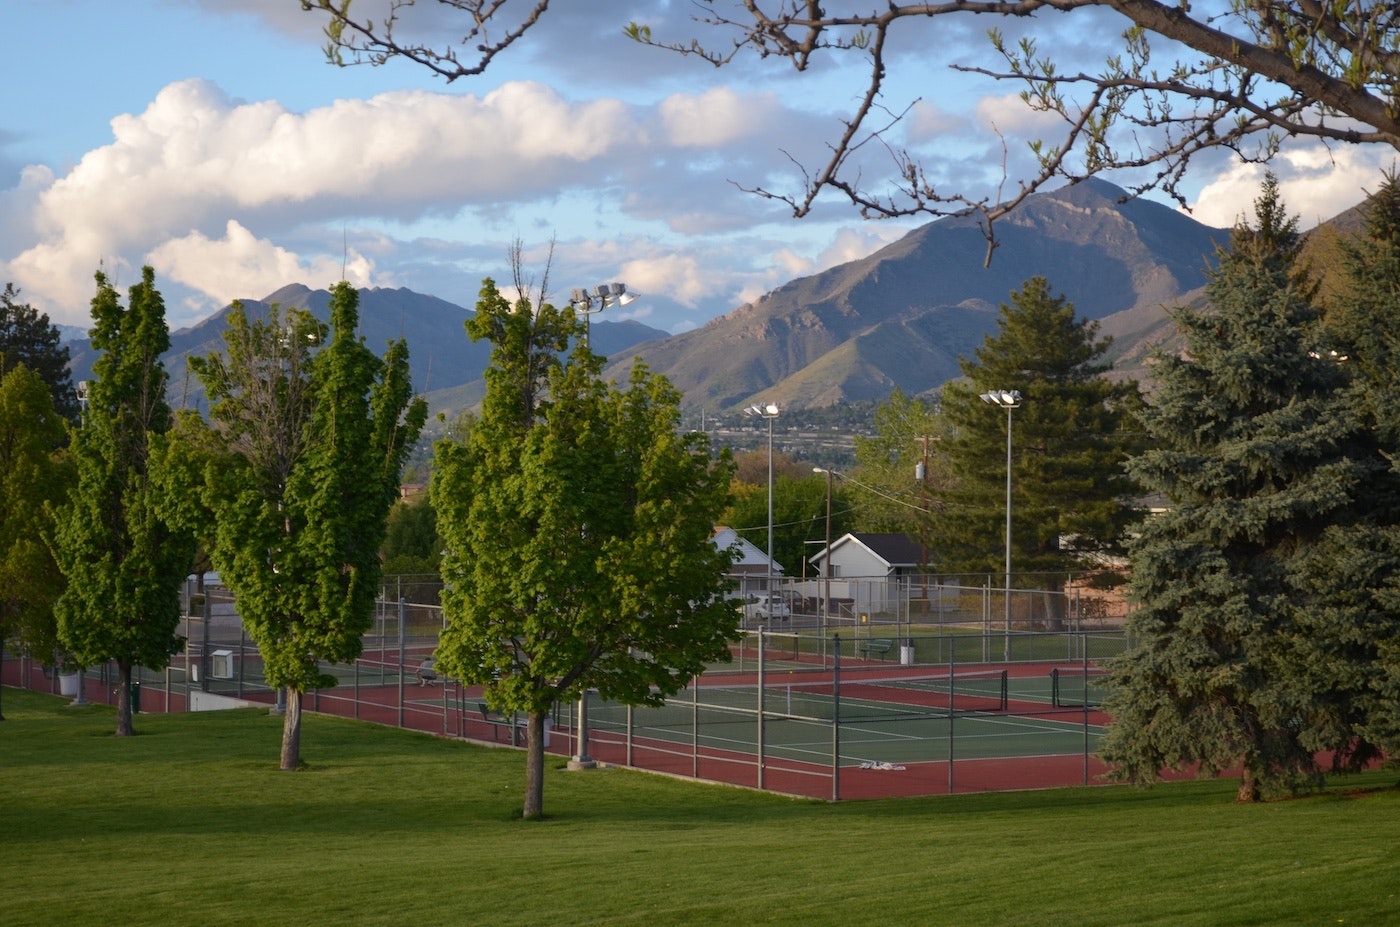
(605, 295)
(826, 557)
(1008, 400)
(768, 411)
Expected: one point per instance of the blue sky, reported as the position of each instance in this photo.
(210, 139)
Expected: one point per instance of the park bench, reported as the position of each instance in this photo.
(874, 646)
(513, 723)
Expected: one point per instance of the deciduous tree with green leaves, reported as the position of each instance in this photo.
(1270, 476)
(35, 476)
(904, 475)
(578, 523)
(122, 562)
(312, 430)
(1071, 500)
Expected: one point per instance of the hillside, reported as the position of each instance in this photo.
(904, 315)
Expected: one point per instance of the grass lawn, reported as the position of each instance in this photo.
(190, 823)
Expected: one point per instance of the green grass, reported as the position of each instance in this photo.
(189, 822)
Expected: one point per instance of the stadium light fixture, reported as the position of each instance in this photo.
(603, 296)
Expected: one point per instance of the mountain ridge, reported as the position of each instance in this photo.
(899, 318)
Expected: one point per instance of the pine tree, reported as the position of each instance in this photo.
(122, 561)
(27, 337)
(1354, 652)
(1258, 456)
(577, 521)
(1070, 499)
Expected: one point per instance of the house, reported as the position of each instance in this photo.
(868, 556)
(869, 572)
(751, 567)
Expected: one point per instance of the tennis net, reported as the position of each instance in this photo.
(1075, 687)
(862, 699)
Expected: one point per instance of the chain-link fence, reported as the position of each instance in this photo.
(882, 694)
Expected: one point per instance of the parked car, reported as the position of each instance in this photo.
(763, 607)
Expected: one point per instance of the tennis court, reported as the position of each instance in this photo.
(830, 724)
(824, 716)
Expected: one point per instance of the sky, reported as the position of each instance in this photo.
(212, 140)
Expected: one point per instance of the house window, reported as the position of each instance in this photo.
(835, 570)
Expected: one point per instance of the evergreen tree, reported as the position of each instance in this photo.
(1262, 463)
(1071, 501)
(313, 435)
(1355, 641)
(27, 337)
(122, 562)
(578, 524)
(34, 477)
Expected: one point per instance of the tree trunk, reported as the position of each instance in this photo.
(123, 698)
(1249, 787)
(534, 768)
(2, 665)
(291, 731)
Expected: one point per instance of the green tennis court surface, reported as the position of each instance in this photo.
(992, 717)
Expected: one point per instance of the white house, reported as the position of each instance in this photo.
(751, 565)
(868, 572)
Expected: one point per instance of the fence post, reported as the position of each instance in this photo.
(403, 608)
(836, 717)
(762, 647)
(952, 684)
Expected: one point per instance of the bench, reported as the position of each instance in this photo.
(498, 721)
(874, 645)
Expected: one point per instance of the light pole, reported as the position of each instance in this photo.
(605, 295)
(768, 411)
(1008, 400)
(826, 557)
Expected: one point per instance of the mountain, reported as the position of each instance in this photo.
(445, 364)
(900, 318)
(904, 315)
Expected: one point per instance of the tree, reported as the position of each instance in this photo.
(1246, 77)
(903, 471)
(122, 562)
(27, 337)
(1071, 435)
(313, 435)
(1355, 587)
(34, 478)
(411, 542)
(1268, 471)
(577, 522)
(799, 514)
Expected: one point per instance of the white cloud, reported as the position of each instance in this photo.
(240, 264)
(716, 117)
(216, 191)
(1315, 184)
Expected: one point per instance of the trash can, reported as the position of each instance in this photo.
(906, 653)
(69, 684)
(135, 696)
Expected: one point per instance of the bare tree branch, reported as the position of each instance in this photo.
(1257, 71)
